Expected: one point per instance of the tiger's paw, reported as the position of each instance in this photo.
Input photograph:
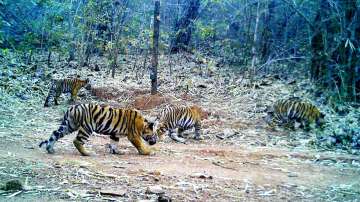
(80, 147)
(177, 139)
(49, 147)
(153, 151)
(87, 153)
(113, 150)
(147, 152)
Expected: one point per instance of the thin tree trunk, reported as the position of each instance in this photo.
(253, 49)
(28, 61)
(72, 47)
(49, 59)
(155, 51)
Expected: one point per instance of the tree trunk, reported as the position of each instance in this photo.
(28, 61)
(183, 28)
(117, 22)
(155, 50)
(49, 59)
(318, 40)
(72, 51)
(253, 49)
(267, 31)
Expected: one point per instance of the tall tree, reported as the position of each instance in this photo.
(155, 49)
(253, 48)
(184, 26)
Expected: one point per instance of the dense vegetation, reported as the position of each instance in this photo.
(318, 38)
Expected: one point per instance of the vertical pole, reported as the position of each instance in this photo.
(155, 49)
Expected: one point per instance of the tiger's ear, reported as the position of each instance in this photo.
(87, 80)
(322, 115)
(150, 124)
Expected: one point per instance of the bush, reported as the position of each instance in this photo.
(342, 131)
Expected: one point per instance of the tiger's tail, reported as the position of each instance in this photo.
(67, 126)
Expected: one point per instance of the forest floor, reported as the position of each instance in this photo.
(239, 158)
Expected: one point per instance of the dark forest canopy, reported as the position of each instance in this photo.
(319, 38)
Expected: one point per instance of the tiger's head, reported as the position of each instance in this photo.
(87, 84)
(269, 115)
(148, 132)
(160, 129)
(320, 120)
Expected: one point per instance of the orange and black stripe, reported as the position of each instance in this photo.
(180, 117)
(89, 118)
(289, 110)
(60, 86)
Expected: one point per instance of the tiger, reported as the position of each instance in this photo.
(89, 118)
(285, 112)
(59, 86)
(181, 117)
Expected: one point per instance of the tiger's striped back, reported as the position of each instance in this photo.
(89, 118)
(180, 117)
(287, 111)
(60, 86)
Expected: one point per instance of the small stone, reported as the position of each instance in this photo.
(202, 176)
(292, 175)
(228, 132)
(157, 189)
(113, 192)
(156, 173)
(97, 68)
(12, 185)
(163, 198)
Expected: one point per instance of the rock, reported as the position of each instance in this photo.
(157, 189)
(155, 172)
(97, 68)
(330, 141)
(111, 192)
(292, 175)
(163, 198)
(40, 73)
(22, 96)
(202, 176)
(228, 132)
(201, 86)
(12, 185)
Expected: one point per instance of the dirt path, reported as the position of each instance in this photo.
(195, 171)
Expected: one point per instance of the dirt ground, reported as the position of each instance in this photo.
(239, 158)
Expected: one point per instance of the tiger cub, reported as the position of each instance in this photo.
(180, 117)
(59, 86)
(89, 118)
(286, 112)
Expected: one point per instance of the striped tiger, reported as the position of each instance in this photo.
(180, 117)
(89, 118)
(286, 112)
(59, 86)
